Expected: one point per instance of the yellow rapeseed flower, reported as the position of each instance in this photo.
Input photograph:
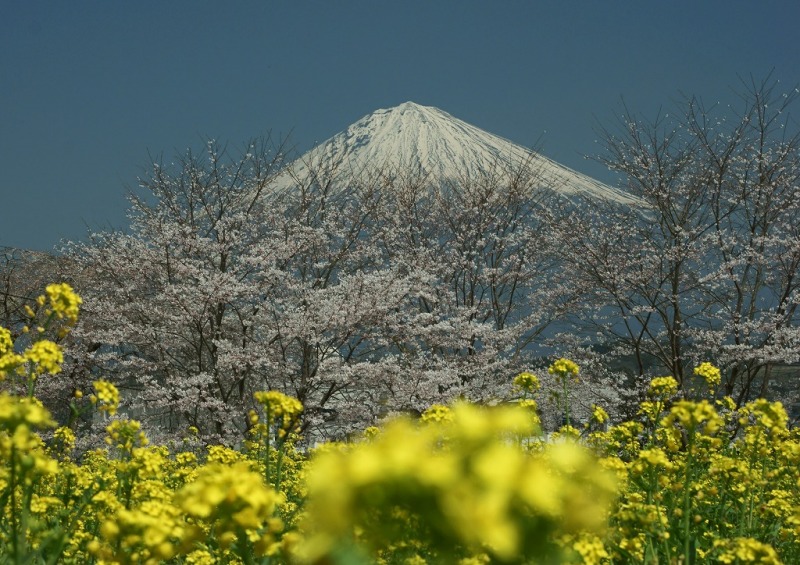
(6, 343)
(694, 416)
(527, 382)
(106, 397)
(11, 363)
(709, 373)
(599, 415)
(591, 550)
(65, 439)
(437, 413)
(45, 356)
(63, 301)
(771, 416)
(662, 387)
(281, 409)
(29, 412)
(231, 498)
(466, 477)
(125, 435)
(563, 368)
(149, 534)
(746, 550)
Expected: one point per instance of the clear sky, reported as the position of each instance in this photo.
(87, 89)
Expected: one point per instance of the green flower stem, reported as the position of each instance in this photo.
(12, 482)
(266, 446)
(746, 514)
(278, 468)
(31, 383)
(687, 500)
(245, 551)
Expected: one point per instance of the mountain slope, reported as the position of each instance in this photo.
(411, 138)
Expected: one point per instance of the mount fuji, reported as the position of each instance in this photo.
(428, 141)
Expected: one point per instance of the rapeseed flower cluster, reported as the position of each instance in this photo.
(563, 368)
(462, 484)
(745, 550)
(233, 501)
(435, 414)
(699, 480)
(281, 410)
(662, 387)
(693, 417)
(64, 302)
(11, 364)
(125, 435)
(704, 482)
(599, 415)
(6, 342)
(44, 357)
(709, 373)
(565, 372)
(527, 382)
(105, 397)
(63, 441)
(16, 412)
(151, 533)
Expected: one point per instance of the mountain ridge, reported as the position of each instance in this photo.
(427, 140)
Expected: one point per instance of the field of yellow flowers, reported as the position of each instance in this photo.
(688, 481)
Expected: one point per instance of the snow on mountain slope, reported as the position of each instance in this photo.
(423, 139)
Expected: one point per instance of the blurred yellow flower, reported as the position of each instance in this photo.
(231, 498)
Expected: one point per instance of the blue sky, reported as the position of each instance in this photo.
(87, 89)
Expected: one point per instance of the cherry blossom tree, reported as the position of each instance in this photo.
(388, 292)
(708, 269)
(164, 302)
(485, 253)
(753, 176)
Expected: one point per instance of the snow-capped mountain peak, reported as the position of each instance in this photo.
(423, 139)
